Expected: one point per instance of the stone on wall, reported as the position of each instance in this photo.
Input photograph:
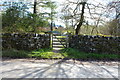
(97, 44)
(25, 41)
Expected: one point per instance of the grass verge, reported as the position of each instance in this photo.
(12, 53)
(41, 53)
(69, 53)
(45, 53)
(75, 54)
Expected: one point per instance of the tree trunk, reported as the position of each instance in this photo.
(35, 5)
(81, 19)
(51, 27)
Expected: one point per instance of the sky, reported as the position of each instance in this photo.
(58, 21)
(103, 2)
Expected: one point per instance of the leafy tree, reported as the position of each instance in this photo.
(45, 4)
(14, 11)
(30, 23)
(52, 7)
(10, 17)
(17, 19)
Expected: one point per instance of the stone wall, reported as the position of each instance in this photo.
(97, 44)
(26, 41)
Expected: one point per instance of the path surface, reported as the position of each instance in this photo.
(29, 68)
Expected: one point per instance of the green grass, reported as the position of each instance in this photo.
(45, 53)
(69, 53)
(75, 54)
(41, 53)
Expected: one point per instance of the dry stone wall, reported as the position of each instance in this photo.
(97, 44)
(26, 41)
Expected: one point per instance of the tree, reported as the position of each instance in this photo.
(112, 27)
(35, 7)
(66, 16)
(31, 22)
(114, 11)
(82, 11)
(14, 11)
(10, 17)
(52, 7)
(81, 18)
(114, 6)
(45, 4)
(17, 19)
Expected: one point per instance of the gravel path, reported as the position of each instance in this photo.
(31, 68)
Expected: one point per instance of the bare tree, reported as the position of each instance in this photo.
(82, 11)
(114, 7)
(81, 18)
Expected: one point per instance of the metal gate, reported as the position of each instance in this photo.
(59, 41)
